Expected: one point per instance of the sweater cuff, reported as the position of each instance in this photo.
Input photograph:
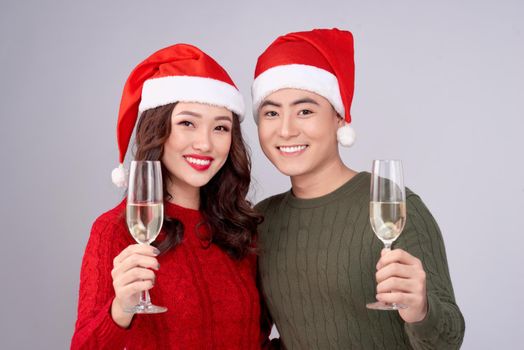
(109, 330)
(428, 327)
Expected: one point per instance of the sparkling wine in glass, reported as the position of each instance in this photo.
(387, 209)
(145, 215)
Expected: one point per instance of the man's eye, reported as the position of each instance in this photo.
(270, 114)
(305, 112)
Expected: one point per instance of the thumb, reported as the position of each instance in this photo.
(384, 251)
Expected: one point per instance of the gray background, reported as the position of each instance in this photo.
(438, 85)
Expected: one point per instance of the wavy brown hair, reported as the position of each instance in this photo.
(226, 211)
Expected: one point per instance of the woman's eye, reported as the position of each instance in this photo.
(222, 128)
(185, 123)
(305, 112)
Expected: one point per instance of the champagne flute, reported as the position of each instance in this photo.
(387, 210)
(145, 215)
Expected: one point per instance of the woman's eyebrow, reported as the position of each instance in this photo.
(224, 117)
(190, 113)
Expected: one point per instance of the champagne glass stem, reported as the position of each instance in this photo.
(145, 299)
(395, 306)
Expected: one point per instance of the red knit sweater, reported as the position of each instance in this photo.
(212, 300)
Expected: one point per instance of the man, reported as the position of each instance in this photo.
(320, 262)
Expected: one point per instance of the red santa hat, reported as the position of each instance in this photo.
(176, 73)
(320, 61)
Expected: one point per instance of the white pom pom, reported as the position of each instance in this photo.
(119, 176)
(346, 135)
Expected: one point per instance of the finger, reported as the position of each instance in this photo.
(396, 284)
(138, 260)
(133, 275)
(134, 288)
(395, 270)
(135, 260)
(142, 249)
(398, 255)
(408, 299)
(395, 298)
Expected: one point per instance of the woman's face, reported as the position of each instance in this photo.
(198, 145)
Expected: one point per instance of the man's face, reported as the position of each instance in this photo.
(297, 131)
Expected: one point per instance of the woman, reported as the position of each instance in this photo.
(204, 267)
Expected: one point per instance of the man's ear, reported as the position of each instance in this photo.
(340, 121)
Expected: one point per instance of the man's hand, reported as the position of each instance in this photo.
(402, 280)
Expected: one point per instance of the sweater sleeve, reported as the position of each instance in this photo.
(266, 322)
(95, 328)
(443, 327)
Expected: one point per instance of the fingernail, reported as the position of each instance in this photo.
(156, 251)
(158, 266)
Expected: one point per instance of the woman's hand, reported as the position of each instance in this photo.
(402, 280)
(132, 275)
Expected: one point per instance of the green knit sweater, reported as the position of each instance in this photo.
(317, 268)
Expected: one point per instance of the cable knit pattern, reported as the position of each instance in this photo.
(212, 300)
(317, 268)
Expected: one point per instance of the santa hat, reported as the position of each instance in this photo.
(176, 73)
(320, 61)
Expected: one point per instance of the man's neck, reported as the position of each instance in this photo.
(321, 182)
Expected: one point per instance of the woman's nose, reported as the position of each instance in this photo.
(202, 141)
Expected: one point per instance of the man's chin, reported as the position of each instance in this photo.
(290, 171)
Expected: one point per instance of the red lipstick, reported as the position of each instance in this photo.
(198, 162)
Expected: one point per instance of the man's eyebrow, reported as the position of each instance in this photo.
(294, 103)
(270, 103)
(304, 100)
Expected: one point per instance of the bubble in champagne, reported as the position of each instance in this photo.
(139, 231)
(388, 231)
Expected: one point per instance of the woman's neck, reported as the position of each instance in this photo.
(185, 196)
(323, 181)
